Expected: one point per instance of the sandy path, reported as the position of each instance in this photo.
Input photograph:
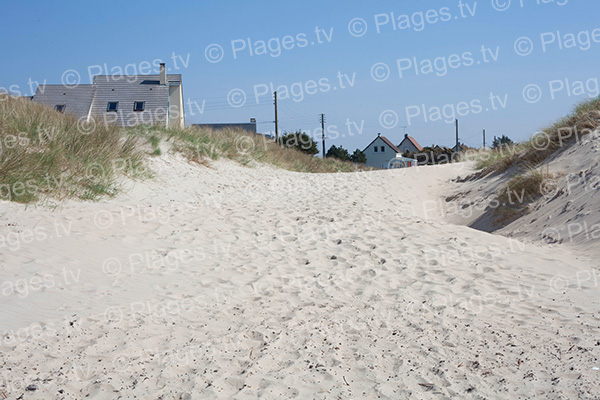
(245, 283)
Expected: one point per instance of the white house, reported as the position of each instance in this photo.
(124, 100)
(409, 144)
(381, 153)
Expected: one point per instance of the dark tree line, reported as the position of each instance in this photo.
(342, 154)
(429, 155)
(300, 141)
(501, 141)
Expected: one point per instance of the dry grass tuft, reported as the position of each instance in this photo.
(519, 192)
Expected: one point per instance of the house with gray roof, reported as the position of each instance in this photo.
(123, 100)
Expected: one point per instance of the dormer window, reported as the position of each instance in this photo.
(112, 106)
(60, 108)
(138, 106)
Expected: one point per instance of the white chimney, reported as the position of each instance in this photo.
(163, 74)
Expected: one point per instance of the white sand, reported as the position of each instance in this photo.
(243, 283)
(567, 216)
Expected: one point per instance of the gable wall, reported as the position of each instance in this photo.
(407, 145)
(379, 160)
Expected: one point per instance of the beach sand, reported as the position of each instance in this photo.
(240, 283)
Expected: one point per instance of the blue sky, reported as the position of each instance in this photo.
(321, 59)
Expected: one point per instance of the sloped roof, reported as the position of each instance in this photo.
(171, 78)
(127, 89)
(92, 100)
(76, 99)
(386, 141)
(413, 141)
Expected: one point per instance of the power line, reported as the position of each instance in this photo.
(288, 110)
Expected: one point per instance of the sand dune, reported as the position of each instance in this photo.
(242, 283)
(566, 216)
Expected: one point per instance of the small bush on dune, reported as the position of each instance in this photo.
(520, 191)
(525, 187)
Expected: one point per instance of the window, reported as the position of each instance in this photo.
(112, 106)
(60, 108)
(376, 149)
(138, 106)
(382, 149)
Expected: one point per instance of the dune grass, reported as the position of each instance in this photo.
(584, 119)
(499, 160)
(527, 182)
(525, 188)
(202, 145)
(45, 153)
(520, 191)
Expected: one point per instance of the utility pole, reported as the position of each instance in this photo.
(457, 144)
(484, 139)
(276, 120)
(323, 132)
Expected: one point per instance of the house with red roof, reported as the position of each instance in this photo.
(409, 144)
(382, 153)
